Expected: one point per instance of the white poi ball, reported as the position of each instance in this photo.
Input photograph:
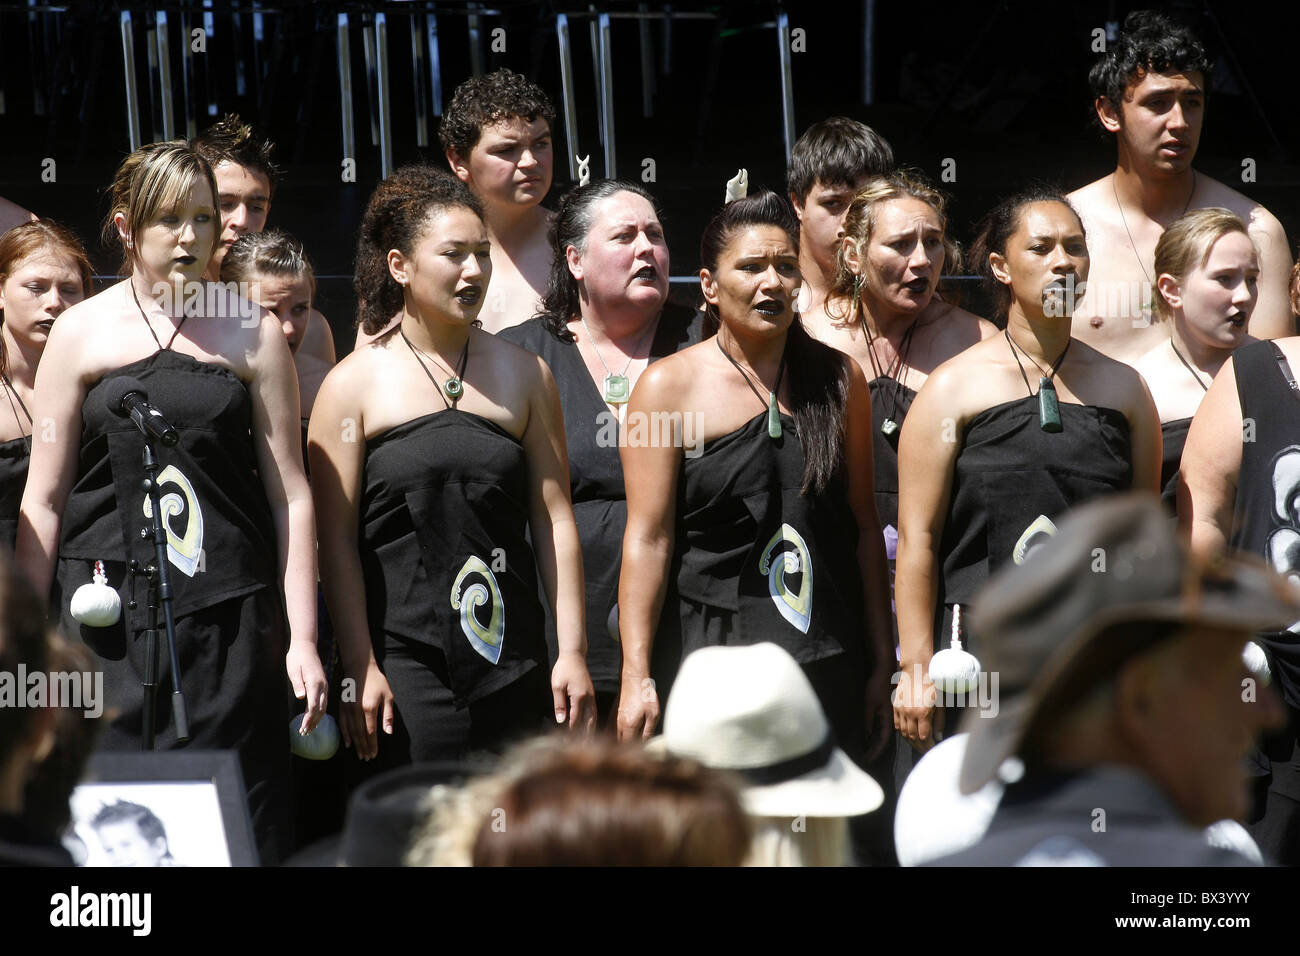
(1231, 835)
(1256, 660)
(96, 605)
(934, 818)
(955, 670)
(321, 744)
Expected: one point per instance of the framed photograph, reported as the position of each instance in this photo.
(169, 808)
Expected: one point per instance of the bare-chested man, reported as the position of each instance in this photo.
(246, 179)
(1150, 91)
(830, 162)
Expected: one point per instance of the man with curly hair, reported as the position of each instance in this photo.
(1150, 90)
(497, 138)
(246, 180)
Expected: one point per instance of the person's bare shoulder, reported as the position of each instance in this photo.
(12, 214)
(1089, 199)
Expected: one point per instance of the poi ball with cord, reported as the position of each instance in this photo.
(96, 604)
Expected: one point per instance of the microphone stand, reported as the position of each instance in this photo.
(160, 595)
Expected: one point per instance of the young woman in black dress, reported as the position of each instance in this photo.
(605, 319)
(1006, 437)
(240, 537)
(435, 450)
(43, 270)
(1207, 286)
(764, 528)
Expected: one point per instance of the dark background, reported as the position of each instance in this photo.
(1001, 88)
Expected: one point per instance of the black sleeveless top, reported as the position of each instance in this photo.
(1174, 435)
(220, 535)
(591, 431)
(15, 455)
(444, 513)
(1266, 515)
(756, 559)
(888, 400)
(1012, 483)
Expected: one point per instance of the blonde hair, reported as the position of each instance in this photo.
(860, 222)
(151, 182)
(800, 841)
(1187, 243)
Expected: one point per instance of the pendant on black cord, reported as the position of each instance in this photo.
(888, 428)
(1049, 412)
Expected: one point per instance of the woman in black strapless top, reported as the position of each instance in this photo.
(239, 527)
(1006, 437)
(1207, 275)
(750, 513)
(435, 450)
(43, 270)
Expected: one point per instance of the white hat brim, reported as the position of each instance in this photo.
(839, 789)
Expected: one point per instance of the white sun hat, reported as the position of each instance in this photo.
(934, 818)
(752, 711)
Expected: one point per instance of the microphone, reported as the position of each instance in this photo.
(126, 397)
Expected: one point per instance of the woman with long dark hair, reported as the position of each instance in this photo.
(1006, 437)
(605, 319)
(238, 518)
(749, 489)
(438, 467)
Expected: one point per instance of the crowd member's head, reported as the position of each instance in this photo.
(245, 175)
(497, 137)
(895, 245)
(1207, 276)
(402, 211)
(1033, 252)
(599, 803)
(43, 270)
(131, 834)
(830, 162)
(1149, 89)
(278, 276)
(749, 274)
(163, 213)
(751, 710)
(1136, 663)
(26, 733)
(608, 252)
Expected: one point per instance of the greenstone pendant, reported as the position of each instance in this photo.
(453, 388)
(773, 417)
(617, 389)
(1049, 412)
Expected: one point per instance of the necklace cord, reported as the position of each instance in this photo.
(780, 373)
(147, 325)
(1188, 365)
(457, 376)
(1015, 352)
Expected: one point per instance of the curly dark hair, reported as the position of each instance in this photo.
(395, 218)
(482, 100)
(819, 376)
(230, 139)
(997, 227)
(1149, 42)
(572, 222)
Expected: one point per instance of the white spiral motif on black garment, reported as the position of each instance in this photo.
(795, 606)
(486, 639)
(184, 551)
(1283, 545)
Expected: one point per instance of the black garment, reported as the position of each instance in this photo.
(591, 430)
(1266, 522)
(230, 626)
(444, 511)
(14, 458)
(19, 846)
(1174, 435)
(888, 400)
(1052, 820)
(1012, 482)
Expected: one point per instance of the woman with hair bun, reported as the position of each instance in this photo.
(1005, 438)
(605, 319)
(43, 270)
(437, 454)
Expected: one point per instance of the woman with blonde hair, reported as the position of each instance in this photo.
(1207, 286)
(239, 529)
